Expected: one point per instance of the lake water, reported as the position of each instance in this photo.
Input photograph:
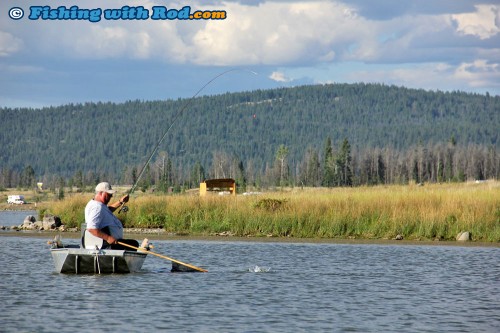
(11, 218)
(258, 287)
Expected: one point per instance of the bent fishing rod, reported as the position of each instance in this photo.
(177, 115)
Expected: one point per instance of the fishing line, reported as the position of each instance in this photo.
(177, 115)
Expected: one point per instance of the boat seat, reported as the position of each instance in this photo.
(90, 241)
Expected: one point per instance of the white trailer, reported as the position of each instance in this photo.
(15, 199)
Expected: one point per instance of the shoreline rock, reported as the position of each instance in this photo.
(50, 222)
(464, 236)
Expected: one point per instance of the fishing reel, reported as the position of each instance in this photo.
(123, 209)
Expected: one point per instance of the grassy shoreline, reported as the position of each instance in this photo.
(419, 213)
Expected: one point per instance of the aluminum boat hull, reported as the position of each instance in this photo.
(85, 261)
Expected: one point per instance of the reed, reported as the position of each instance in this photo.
(70, 210)
(416, 212)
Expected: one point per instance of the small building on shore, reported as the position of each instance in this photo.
(220, 185)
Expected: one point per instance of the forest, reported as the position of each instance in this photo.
(317, 135)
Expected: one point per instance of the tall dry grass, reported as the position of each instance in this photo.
(415, 212)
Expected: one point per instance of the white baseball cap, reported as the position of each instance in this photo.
(104, 187)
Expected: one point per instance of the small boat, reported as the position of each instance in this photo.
(89, 258)
(73, 259)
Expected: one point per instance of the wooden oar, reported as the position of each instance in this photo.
(164, 257)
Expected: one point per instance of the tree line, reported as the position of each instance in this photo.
(318, 135)
(332, 166)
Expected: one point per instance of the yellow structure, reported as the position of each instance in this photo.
(218, 185)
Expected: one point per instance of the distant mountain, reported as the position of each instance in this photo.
(108, 138)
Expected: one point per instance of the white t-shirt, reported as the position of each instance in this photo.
(98, 216)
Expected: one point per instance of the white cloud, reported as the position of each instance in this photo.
(479, 73)
(295, 40)
(484, 23)
(270, 33)
(431, 76)
(9, 44)
(111, 42)
(279, 77)
(102, 42)
(474, 76)
(277, 33)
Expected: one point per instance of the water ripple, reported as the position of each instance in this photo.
(311, 287)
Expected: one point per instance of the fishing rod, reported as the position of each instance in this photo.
(177, 115)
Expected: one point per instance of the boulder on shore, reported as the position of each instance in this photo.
(30, 219)
(51, 222)
(464, 236)
(48, 223)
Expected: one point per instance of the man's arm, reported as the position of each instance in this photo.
(98, 233)
(115, 205)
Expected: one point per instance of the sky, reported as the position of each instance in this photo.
(47, 60)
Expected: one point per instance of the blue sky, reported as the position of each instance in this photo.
(432, 45)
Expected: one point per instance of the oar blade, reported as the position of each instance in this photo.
(180, 268)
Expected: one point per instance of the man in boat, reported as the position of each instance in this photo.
(102, 223)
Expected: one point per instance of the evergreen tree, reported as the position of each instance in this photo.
(310, 172)
(28, 177)
(197, 175)
(328, 164)
(380, 169)
(240, 178)
(146, 180)
(343, 167)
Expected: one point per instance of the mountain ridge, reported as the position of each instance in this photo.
(108, 138)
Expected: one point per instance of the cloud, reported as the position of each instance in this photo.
(390, 9)
(418, 43)
(112, 42)
(279, 77)
(479, 73)
(9, 44)
(276, 33)
(477, 76)
(483, 23)
(269, 34)
(474, 76)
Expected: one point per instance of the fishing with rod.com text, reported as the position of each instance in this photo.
(123, 13)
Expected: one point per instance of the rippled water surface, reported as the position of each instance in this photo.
(10, 218)
(258, 287)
